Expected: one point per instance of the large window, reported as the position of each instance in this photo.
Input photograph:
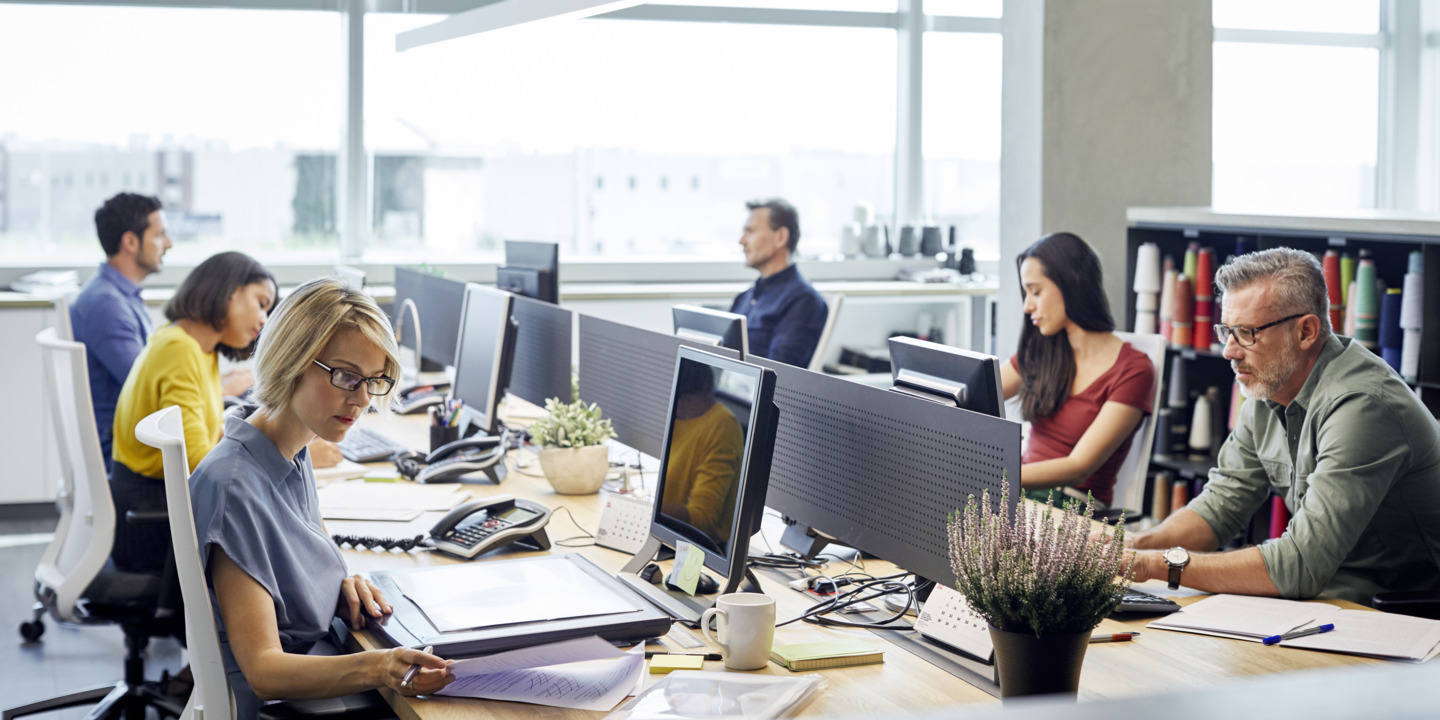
(961, 137)
(628, 137)
(1297, 110)
(231, 117)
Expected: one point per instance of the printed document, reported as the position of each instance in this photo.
(482, 595)
(585, 674)
(1244, 617)
(1376, 634)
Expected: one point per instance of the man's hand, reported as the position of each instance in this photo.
(236, 382)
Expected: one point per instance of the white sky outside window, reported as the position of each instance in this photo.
(643, 138)
(851, 5)
(961, 136)
(966, 8)
(1340, 16)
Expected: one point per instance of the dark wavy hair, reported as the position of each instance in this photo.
(205, 295)
(1047, 364)
(126, 212)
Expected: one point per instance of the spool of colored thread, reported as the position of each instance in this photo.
(1182, 323)
(1160, 497)
(1179, 495)
(1347, 276)
(1412, 310)
(1161, 448)
(1167, 298)
(1367, 305)
(1179, 395)
(1391, 337)
(1147, 287)
(1350, 310)
(1192, 254)
(1242, 246)
(1334, 289)
(1279, 516)
(1204, 298)
(1200, 429)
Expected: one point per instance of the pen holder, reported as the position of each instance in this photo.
(441, 435)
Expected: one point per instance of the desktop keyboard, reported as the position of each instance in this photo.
(1135, 601)
(365, 445)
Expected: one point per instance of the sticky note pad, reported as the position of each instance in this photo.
(662, 664)
(382, 475)
(688, 562)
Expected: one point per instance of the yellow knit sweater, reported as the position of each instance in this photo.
(171, 370)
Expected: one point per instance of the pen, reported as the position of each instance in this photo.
(1117, 637)
(1273, 639)
(414, 669)
(707, 656)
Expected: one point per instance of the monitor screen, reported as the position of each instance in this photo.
(438, 302)
(486, 348)
(716, 463)
(964, 379)
(531, 269)
(542, 351)
(714, 327)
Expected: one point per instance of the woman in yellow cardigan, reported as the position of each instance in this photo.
(218, 310)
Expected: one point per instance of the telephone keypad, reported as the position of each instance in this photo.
(474, 534)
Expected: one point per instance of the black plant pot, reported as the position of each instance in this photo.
(1030, 665)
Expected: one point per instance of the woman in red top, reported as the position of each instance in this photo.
(1083, 390)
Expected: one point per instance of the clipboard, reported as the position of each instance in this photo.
(409, 626)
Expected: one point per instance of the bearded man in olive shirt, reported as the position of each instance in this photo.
(1332, 430)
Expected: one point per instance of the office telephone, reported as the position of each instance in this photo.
(480, 526)
(451, 461)
(418, 397)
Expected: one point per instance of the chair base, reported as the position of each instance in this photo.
(121, 700)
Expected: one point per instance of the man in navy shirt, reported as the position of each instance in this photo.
(784, 314)
(108, 316)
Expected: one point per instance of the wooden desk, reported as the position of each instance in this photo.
(903, 684)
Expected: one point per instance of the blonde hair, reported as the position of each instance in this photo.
(301, 327)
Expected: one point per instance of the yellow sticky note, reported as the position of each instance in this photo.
(688, 560)
(662, 664)
(382, 475)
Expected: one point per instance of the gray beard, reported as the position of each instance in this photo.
(1268, 380)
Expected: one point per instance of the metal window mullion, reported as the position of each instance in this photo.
(1396, 167)
(909, 155)
(1375, 41)
(354, 170)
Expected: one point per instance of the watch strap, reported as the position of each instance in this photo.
(1175, 576)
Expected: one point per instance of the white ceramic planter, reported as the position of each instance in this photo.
(575, 471)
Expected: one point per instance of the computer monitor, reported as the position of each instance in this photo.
(438, 302)
(961, 378)
(485, 355)
(542, 351)
(622, 369)
(712, 327)
(531, 269)
(714, 472)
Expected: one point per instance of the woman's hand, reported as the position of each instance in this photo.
(236, 382)
(358, 598)
(324, 454)
(394, 663)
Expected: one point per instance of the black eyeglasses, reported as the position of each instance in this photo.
(1245, 336)
(348, 381)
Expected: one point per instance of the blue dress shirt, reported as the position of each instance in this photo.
(109, 317)
(784, 316)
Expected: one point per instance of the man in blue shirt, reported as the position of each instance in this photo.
(108, 316)
(784, 314)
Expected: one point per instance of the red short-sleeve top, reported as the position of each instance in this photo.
(1131, 380)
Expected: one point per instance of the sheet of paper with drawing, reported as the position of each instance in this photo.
(585, 674)
(503, 593)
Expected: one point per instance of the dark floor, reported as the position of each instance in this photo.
(65, 659)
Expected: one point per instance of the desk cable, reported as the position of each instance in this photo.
(571, 541)
(887, 585)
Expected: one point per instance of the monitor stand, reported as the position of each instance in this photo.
(677, 603)
(804, 539)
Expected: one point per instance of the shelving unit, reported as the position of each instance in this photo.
(1390, 236)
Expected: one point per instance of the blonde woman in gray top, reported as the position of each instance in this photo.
(1332, 430)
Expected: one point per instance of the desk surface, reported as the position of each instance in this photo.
(904, 683)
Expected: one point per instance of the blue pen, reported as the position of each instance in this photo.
(1273, 639)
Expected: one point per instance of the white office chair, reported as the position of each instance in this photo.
(817, 360)
(74, 582)
(63, 331)
(1129, 492)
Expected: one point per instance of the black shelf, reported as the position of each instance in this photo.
(1186, 469)
(1190, 353)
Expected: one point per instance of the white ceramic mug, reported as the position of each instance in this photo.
(746, 629)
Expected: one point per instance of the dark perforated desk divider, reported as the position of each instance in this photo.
(542, 351)
(627, 371)
(881, 471)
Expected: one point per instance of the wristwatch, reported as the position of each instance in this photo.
(1177, 558)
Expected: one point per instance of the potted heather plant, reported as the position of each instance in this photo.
(1040, 583)
(572, 436)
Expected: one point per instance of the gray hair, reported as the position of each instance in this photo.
(1297, 284)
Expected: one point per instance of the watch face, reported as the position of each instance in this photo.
(1177, 556)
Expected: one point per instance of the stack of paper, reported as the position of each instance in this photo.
(1246, 618)
(359, 500)
(1376, 634)
(586, 674)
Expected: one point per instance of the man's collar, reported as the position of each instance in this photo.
(272, 463)
(783, 276)
(118, 279)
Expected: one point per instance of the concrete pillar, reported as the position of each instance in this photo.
(1106, 104)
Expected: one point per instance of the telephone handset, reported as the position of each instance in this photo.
(483, 525)
(418, 397)
(451, 461)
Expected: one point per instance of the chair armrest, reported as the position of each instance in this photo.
(146, 516)
(1420, 603)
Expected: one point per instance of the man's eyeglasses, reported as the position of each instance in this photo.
(348, 381)
(1245, 336)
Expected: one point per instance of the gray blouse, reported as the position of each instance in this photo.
(262, 512)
